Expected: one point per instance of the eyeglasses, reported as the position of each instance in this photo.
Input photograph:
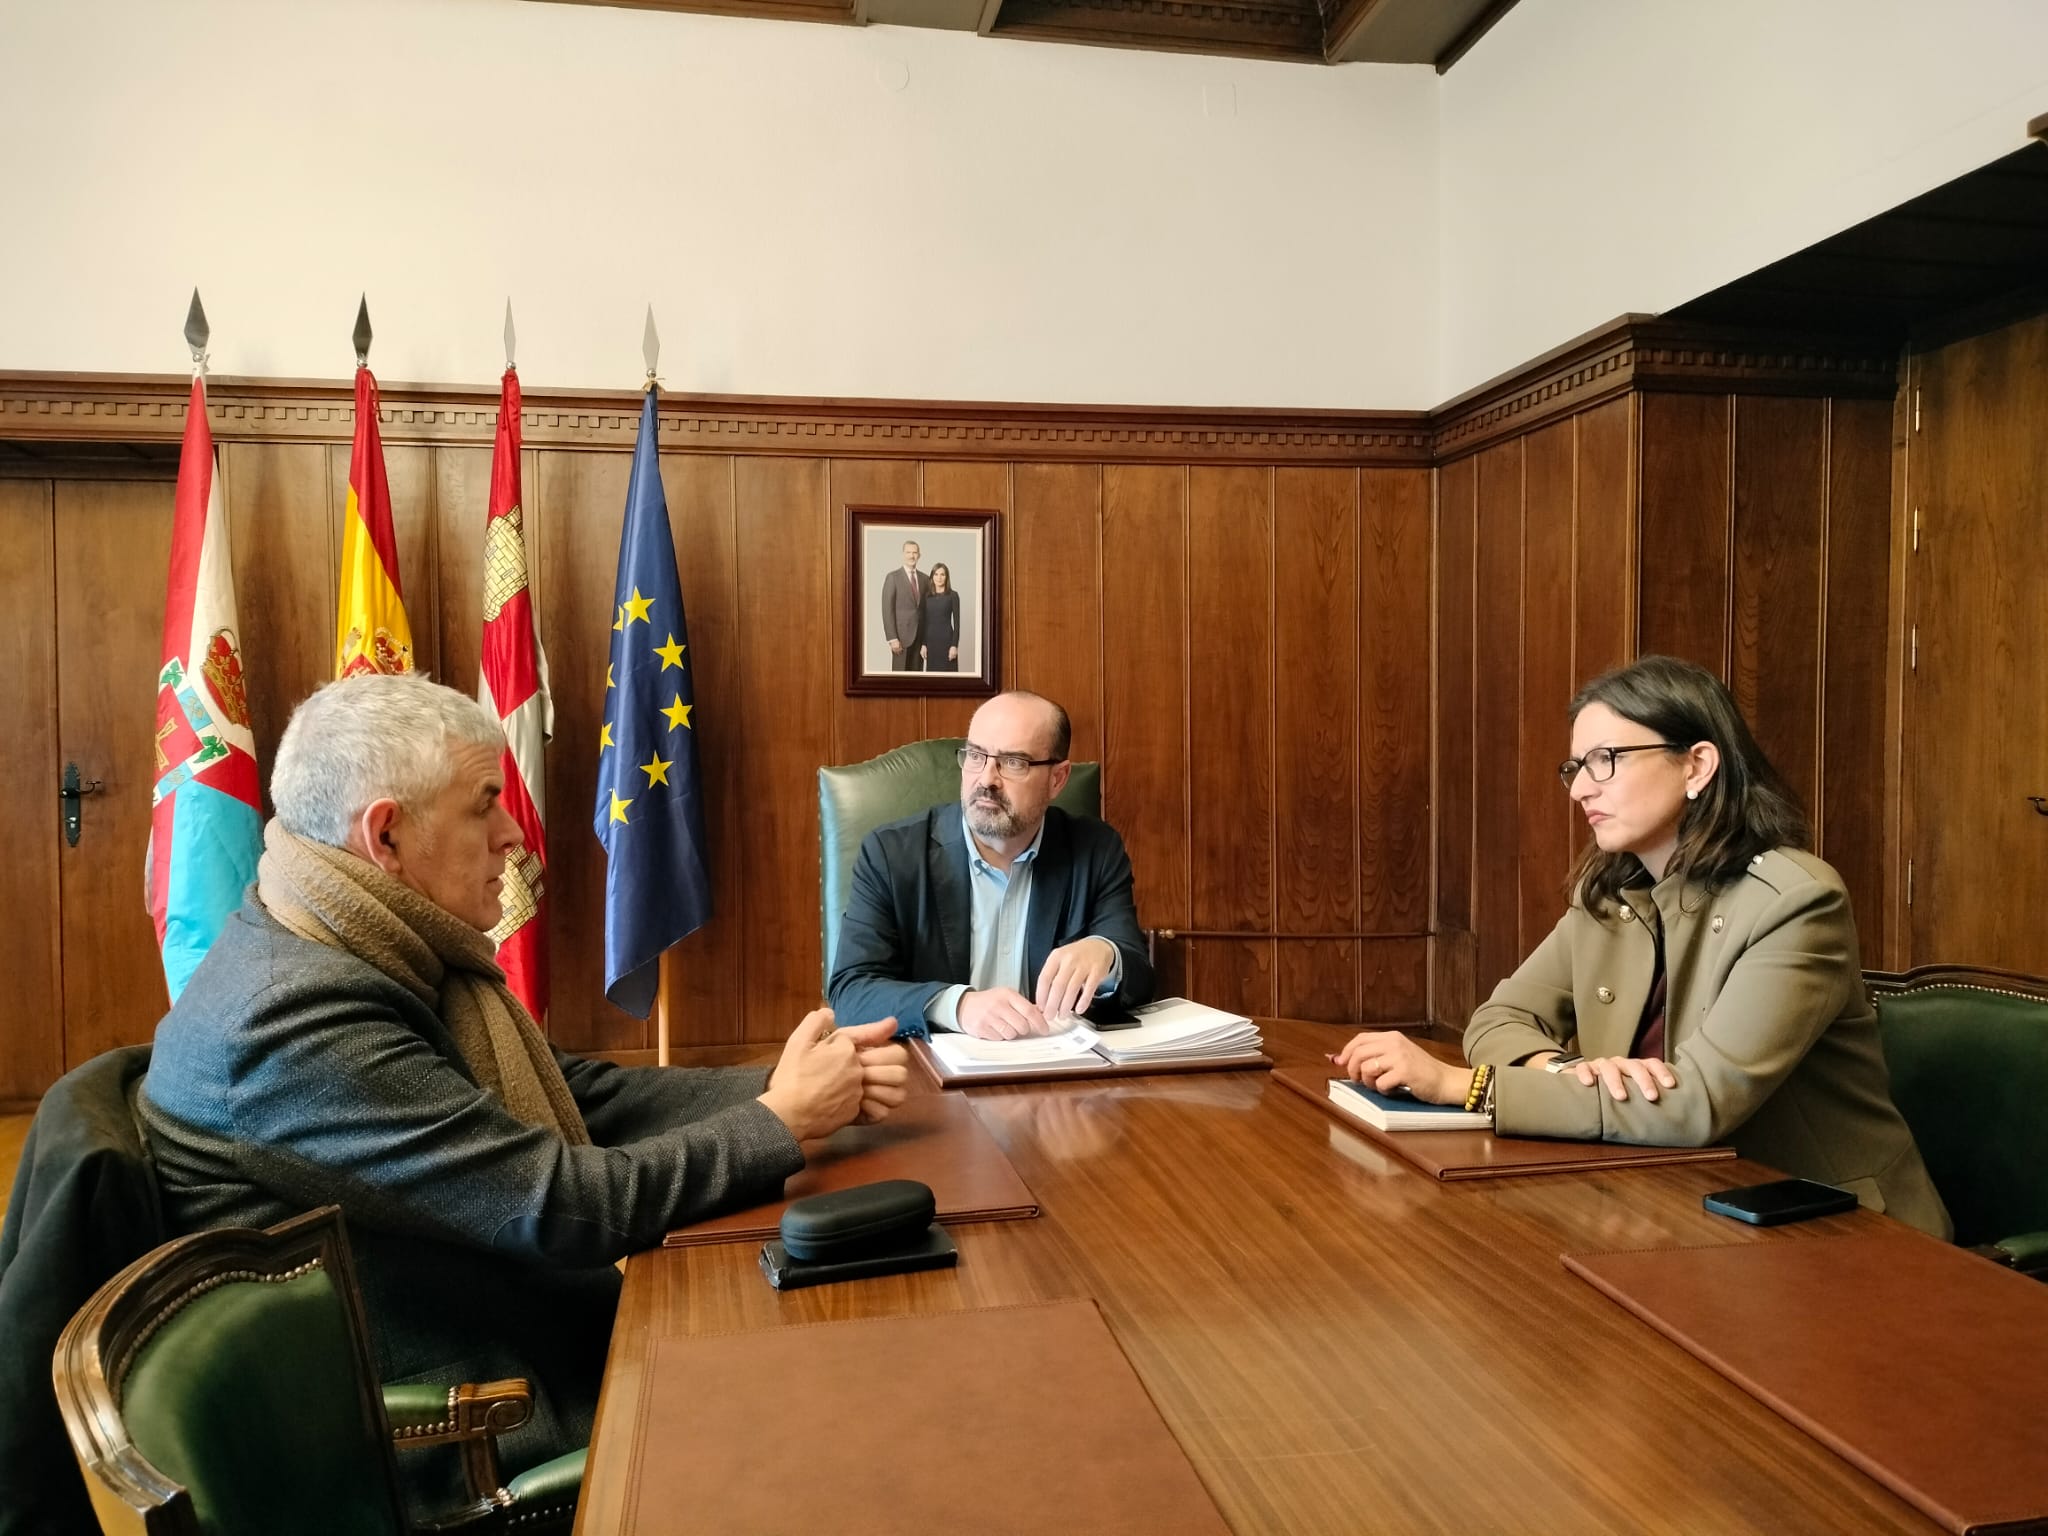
(1599, 763)
(1012, 765)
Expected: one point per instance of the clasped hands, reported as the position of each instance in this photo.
(1386, 1059)
(1067, 984)
(828, 1077)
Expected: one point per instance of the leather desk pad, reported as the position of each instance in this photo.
(935, 1138)
(1917, 1362)
(1026, 1420)
(1483, 1155)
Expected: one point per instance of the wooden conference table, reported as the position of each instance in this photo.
(1340, 1343)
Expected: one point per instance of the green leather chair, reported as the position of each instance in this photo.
(1968, 1053)
(854, 800)
(223, 1384)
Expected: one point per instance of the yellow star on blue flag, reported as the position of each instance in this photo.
(657, 883)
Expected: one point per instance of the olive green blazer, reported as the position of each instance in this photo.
(1766, 1024)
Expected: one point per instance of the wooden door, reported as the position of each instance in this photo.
(1977, 698)
(81, 626)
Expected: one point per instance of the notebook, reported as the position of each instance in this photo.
(1395, 1112)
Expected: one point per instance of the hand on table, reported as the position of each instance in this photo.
(1617, 1072)
(1073, 974)
(821, 1081)
(1387, 1059)
(884, 1077)
(1000, 1013)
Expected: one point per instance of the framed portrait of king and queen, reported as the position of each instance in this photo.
(923, 609)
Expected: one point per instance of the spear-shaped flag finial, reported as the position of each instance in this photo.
(363, 332)
(511, 339)
(650, 346)
(197, 330)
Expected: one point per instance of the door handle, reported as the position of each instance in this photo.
(2039, 803)
(70, 792)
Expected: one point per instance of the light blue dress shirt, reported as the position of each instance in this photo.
(1001, 905)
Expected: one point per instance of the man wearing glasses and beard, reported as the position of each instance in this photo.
(998, 917)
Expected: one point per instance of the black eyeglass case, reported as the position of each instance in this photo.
(885, 1228)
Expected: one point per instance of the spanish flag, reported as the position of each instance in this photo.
(370, 633)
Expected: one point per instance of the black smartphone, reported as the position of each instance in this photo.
(1780, 1201)
(1103, 1013)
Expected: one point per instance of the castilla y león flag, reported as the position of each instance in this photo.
(206, 822)
(370, 632)
(513, 686)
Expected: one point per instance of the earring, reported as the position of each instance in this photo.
(1692, 794)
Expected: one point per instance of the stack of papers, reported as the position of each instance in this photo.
(1171, 1030)
(1174, 1029)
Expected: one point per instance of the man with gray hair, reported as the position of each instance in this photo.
(349, 1039)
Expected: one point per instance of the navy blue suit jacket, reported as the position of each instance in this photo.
(908, 932)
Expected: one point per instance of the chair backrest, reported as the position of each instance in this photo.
(223, 1383)
(85, 1205)
(856, 799)
(1968, 1055)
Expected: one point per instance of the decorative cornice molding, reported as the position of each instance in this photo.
(117, 407)
(1634, 353)
(1643, 353)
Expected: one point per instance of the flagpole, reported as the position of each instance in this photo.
(661, 1012)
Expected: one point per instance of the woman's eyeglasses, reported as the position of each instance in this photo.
(1599, 763)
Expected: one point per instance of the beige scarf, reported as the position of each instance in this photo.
(332, 897)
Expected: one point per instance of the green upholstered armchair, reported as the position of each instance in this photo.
(223, 1383)
(1968, 1053)
(854, 800)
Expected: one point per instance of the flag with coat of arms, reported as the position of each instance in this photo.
(513, 686)
(206, 819)
(649, 813)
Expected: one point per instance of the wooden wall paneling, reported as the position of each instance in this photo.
(967, 483)
(1685, 517)
(1497, 715)
(409, 471)
(32, 1002)
(285, 527)
(1544, 850)
(459, 500)
(1229, 752)
(1315, 738)
(578, 503)
(1145, 676)
(1603, 554)
(1452, 958)
(1977, 732)
(785, 568)
(112, 548)
(1394, 980)
(1776, 582)
(867, 725)
(706, 976)
(1898, 760)
(1849, 818)
(1394, 706)
(1061, 586)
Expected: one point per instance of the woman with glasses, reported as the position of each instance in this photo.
(939, 631)
(1704, 985)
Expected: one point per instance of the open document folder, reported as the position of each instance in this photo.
(1172, 1031)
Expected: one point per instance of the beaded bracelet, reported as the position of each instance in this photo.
(1476, 1094)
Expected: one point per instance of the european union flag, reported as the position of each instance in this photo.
(650, 809)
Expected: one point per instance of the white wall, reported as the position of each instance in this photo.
(1741, 131)
(810, 209)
